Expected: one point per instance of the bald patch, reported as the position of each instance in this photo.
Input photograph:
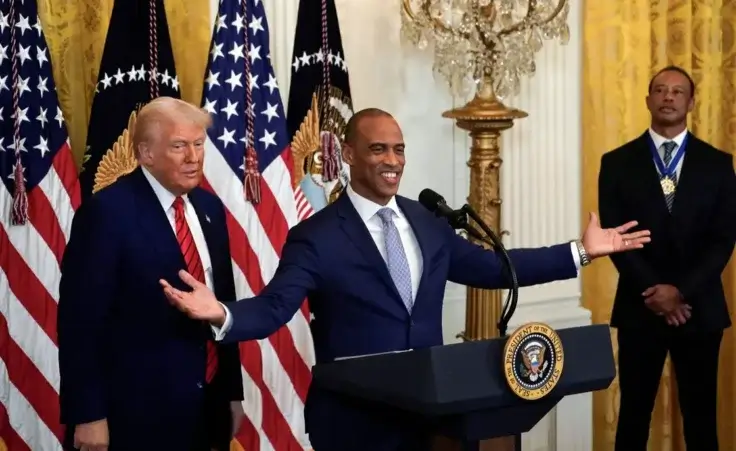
(352, 128)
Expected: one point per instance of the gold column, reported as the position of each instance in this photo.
(484, 117)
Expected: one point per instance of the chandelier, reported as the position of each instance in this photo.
(484, 41)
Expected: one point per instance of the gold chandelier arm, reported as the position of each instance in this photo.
(490, 15)
(406, 6)
(487, 43)
(527, 22)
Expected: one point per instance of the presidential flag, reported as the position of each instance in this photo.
(38, 198)
(319, 104)
(137, 66)
(248, 164)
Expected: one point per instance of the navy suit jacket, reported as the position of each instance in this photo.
(125, 353)
(332, 259)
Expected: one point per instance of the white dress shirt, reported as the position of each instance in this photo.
(659, 140)
(167, 198)
(368, 212)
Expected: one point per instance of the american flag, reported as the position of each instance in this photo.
(240, 80)
(34, 143)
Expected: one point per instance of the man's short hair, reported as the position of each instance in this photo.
(166, 110)
(677, 69)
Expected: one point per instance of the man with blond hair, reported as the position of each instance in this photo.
(136, 374)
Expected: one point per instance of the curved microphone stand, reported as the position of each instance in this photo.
(512, 299)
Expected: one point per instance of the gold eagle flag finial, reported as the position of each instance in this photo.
(306, 140)
(119, 160)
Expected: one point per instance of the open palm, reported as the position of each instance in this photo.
(200, 303)
(599, 242)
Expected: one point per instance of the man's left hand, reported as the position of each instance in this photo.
(663, 298)
(200, 303)
(238, 414)
(599, 242)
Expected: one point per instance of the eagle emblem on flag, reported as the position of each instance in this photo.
(317, 148)
(119, 160)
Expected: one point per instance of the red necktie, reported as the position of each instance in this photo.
(194, 267)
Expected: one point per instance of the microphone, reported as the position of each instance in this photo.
(435, 203)
(458, 219)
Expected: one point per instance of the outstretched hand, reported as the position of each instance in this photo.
(599, 242)
(200, 303)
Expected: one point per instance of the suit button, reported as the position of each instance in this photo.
(199, 385)
(411, 323)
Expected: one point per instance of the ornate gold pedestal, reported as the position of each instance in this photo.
(485, 117)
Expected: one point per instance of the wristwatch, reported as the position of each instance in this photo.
(584, 259)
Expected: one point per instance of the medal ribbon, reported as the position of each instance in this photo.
(668, 171)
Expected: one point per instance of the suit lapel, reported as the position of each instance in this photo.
(424, 235)
(204, 217)
(688, 184)
(355, 229)
(154, 223)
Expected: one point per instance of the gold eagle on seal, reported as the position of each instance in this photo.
(323, 125)
(533, 358)
(119, 160)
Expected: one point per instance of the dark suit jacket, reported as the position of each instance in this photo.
(125, 353)
(690, 247)
(332, 259)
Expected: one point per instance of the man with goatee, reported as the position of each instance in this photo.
(669, 296)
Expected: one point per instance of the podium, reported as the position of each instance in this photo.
(460, 390)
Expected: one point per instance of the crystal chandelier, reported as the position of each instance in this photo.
(484, 41)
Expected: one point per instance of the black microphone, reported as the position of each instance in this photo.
(458, 219)
(435, 203)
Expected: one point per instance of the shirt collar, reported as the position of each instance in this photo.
(367, 209)
(659, 139)
(164, 196)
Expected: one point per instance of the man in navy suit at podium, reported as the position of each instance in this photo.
(374, 267)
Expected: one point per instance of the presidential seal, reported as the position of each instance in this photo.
(532, 361)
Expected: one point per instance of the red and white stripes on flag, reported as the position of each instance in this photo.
(34, 143)
(248, 164)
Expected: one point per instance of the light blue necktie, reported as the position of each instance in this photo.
(398, 265)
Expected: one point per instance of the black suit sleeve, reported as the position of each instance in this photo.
(228, 354)
(630, 265)
(717, 244)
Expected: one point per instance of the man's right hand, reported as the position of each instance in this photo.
(92, 436)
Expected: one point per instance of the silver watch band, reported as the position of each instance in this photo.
(584, 259)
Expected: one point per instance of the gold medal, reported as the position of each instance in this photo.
(668, 186)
